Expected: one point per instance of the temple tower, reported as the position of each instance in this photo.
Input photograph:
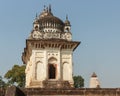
(49, 52)
(94, 82)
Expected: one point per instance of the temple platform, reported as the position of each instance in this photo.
(14, 91)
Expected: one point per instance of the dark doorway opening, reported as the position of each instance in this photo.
(52, 71)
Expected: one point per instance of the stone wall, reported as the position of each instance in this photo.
(14, 91)
(63, 92)
(74, 92)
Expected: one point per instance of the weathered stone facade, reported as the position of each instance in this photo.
(48, 59)
(49, 52)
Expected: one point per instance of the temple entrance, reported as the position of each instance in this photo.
(52, 71)
(52, 68)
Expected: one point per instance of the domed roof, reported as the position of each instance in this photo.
(47, 20)
(51, 19)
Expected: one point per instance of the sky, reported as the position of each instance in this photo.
(96, 23)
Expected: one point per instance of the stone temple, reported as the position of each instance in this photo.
(48, 56)
(49, 52)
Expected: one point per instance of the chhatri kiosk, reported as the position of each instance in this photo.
(49, 52)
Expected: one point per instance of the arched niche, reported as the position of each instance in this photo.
(39, 71)
(66, 71)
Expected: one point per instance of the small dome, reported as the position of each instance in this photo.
(36, 21)
(94, 74)
(67, 22)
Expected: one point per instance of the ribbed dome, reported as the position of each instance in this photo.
(50, 21)
(47, 20)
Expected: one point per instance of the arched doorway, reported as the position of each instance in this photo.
(52, 68)
(52, 71)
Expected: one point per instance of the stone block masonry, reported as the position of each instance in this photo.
(63, 92)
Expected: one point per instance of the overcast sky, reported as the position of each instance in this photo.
(96, 23)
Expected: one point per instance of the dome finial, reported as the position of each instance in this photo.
(50, 8)
(66, 17)
(44, 7)
(47, 9)
(67, 22)
(36, 15)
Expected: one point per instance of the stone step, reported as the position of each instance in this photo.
(56, 84)
(36, 83)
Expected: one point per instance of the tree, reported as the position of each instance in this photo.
(2, 83)
(78, 81)
(16, 76)
(2, 86)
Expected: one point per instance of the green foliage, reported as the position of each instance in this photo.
(2, 83)
(78, 81)
(16, 76)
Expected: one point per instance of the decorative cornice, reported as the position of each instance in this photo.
(44, 44)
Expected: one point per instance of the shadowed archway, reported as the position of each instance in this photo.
(52, 71)
(52, 68)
